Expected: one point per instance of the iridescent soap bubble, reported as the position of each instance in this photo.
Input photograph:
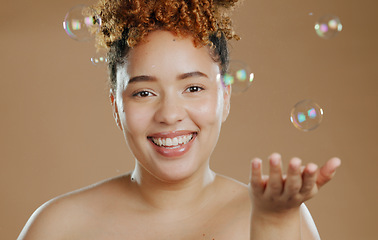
(306, 115)
(99, 59)
(328, 26)
(80, 23)
(239, 76)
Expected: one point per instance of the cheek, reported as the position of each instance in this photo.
(209, 110)
(137, 119)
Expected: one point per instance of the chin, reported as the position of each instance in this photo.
(175, 173)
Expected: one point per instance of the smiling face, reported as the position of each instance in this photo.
(170, 105)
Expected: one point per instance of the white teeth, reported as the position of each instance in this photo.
(169, 142)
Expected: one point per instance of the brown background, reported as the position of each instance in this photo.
(57, 133)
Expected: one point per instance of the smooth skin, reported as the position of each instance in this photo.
(277, 200)
(160, 91)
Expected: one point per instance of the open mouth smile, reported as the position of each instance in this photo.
(173, 146)
(172, 142)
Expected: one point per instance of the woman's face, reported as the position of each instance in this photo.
(170, 104)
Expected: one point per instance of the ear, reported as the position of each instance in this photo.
(226, 101)
(115, 108)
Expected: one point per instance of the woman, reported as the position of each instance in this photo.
(167, 59)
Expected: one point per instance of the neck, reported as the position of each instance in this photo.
(185, 194)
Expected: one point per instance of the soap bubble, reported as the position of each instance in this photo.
(80, 23)
(99, 59)
(239, 76)
(306, 115)
(328, 26)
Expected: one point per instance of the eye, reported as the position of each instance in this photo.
(142, 94)
(194, 89)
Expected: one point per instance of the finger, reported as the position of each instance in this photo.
(293, 181)
(327, 171)
(275, 183)
(309, 180)
(257, 182)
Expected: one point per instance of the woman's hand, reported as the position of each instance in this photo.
(278, 193)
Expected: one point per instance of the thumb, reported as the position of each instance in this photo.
(327, 171)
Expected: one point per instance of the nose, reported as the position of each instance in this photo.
(170, 110)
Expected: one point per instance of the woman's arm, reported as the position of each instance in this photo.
(278, 211)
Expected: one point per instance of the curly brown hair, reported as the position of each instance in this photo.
(125, 23)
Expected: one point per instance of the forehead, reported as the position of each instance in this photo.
(163, 52)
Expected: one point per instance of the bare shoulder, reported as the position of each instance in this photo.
(63, 216)
(233, 188)
(236, 208)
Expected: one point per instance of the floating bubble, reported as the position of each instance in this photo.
(80, 23)
(306, 115)
(239, 76)
(328, 26)
(99, 59)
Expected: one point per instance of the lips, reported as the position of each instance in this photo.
(172, 144)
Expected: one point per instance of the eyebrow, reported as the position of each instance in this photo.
(146, 78)
(142, 78)
(192, 74)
